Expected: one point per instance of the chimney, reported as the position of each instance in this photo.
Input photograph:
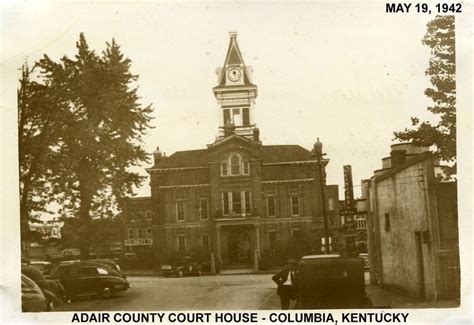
(229, 129)
(256, 134)
(398, 157)
(233, 34)
(318, 148)
(157, 155)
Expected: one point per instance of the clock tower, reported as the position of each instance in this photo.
(235, 93)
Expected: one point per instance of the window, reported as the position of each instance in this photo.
(237, 116)
(149, 233)
(330, 204)
(295, 205)
(245, 168)
(203, 209)
(271, 206)
(246, 116)
(102, 271)
(181, 243)
(224, 168)
(149, 214)
(387, 222)
(227, 118)
(247, 203)
(236, 203)
(272, 236)
(225, 202)
(323, 244)
(361, 223)
(140, 233)
(88, 270)
(205, 242)
(131, 233)
(180, 210)
(235, 165)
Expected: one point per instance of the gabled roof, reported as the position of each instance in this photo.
(233, 137)
(269, 154)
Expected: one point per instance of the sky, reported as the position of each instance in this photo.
(347, 73)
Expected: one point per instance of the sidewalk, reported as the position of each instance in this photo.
(151, 272)
(385, 298)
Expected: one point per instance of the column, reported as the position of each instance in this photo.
(218, 243)
(257, 238)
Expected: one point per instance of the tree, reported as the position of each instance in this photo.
(101, 134)
(37, 124)
(102, 233)
(440, 37)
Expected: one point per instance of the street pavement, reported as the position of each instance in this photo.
(219, 292)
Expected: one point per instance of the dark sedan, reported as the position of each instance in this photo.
(181, 266)
(32, 297)
(87, 278)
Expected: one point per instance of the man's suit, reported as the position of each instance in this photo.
(287, 281)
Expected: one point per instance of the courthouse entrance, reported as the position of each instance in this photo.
(236, 245)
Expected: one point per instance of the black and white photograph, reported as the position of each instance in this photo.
(190, 156)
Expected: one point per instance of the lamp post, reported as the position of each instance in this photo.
(318, 152)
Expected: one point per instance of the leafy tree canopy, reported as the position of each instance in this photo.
(440, 37)
(97, 139)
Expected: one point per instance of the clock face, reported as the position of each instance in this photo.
(234, 74)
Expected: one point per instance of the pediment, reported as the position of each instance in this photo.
(234, 143)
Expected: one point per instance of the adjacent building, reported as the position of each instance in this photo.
(236, 196)
(137, 225)
(413, 225)
(352, 235)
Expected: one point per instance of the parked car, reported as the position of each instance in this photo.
(365, 257)
(32, 297)
(53, 290)
(44, 266)
(331, 281)
(87, 278)
(181, 266)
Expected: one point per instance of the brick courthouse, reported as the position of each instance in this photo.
(238, 195)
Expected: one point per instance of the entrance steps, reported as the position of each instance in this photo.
(237, 268)
(237, 271)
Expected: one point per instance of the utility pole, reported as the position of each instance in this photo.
(318, 152)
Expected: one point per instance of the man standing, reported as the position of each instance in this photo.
(287, 281)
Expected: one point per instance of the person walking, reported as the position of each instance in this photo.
(287, 281)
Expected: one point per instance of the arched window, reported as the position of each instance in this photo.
(234, 166)
(235, 163)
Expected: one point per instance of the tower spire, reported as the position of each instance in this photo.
(235, 92)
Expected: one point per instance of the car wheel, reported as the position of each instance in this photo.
(180, 273)
(106, 292)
